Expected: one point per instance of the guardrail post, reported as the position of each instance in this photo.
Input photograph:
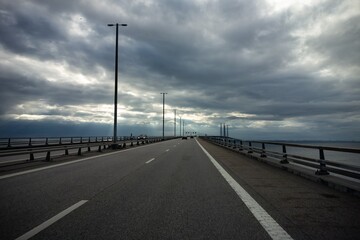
(80, 139)
(284, 159)
(66, 152)
(60, 141)
(29, 141)
(241, 145)
(88, 148)
(79, 151)
(250, 148)
(96, 139)
(99, 150)
(71, 140)
(322, 170)
(89, 140)
(9, 142)
(263, 151)
(47, 141)
(124, 145)
(32, 157)
(48, 158)
(131, 144)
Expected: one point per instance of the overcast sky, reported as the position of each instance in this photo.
(270, 69)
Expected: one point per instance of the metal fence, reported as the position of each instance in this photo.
(31, 146)
(322, 165)
(46, 141)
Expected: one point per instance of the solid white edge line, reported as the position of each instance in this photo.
(150, 160)
(71, 162)
(267, 222)
(52, 220)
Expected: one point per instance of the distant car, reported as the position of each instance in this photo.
(191, 136)
(142, 137)
(184, 137)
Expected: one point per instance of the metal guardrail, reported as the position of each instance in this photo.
(323, 166)
(45, 141)
(31, 146)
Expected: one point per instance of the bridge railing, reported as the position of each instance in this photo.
(31, 146)
(279, 151)
(46, 141)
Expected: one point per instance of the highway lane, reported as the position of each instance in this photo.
(164, 190)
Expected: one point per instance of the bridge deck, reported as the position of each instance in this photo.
(317, 211)
(170, 190)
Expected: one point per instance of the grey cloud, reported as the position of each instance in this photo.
(219, 57)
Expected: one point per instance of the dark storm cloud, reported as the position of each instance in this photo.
(214, 58)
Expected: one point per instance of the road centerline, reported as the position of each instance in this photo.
(149, 161)
(51, 221)
(274, 230)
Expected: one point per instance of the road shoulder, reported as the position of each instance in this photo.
(305, 208)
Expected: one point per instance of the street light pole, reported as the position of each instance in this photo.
(183, 127)
(174, 122)
(163, 130)
(116, 81)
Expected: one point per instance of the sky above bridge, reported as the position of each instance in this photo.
(269, 69)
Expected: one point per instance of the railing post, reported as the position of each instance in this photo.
(88, 148)
(322, 170)
(234, 145)
(79, 151)
(263, 151)
(66, 152)
(32, 157)
(80, 139)
(71, 140)
(9, 142)
(284, 160)
(89, 140)
(60, 141)
(30, 142)
(48, 158)
(99, 150)
(241, 145)
(96, 139)
(250, 148)
(47, 141)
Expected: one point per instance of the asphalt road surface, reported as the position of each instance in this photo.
(166, 190)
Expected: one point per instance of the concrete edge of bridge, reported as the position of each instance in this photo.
(331, 180)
